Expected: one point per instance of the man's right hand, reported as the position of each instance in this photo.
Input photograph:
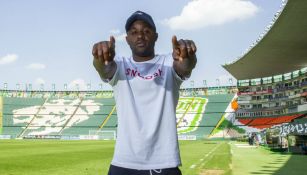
(104, 51)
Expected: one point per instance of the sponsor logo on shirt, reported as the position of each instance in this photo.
(136, 73)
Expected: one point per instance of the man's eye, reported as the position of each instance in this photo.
(147, 32)
(133, 32)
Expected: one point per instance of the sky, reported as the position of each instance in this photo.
(50, 42)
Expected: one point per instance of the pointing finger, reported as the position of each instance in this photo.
(176, 49)
(111, 46)
(194, 48)
(94, 51)
(175, 42)
(112, 42)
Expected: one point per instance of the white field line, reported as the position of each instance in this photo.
(204, 160)
(245, 146)
(193, 166)
(210, 155)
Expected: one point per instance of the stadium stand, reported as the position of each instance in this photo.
(39, 114)
(13, 125)
(272, 74)
(261, 123)
(104, 107)
(215, 109)
(278, 99)
(1, 111)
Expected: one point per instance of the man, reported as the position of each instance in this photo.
(146, 91)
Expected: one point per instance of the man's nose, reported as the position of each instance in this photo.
(140, 35)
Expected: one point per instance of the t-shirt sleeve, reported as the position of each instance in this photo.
(115, 78)
(175, 75)
(170, 61)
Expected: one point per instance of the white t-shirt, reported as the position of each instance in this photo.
(146, 95)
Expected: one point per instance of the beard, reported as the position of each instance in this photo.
(143, 51)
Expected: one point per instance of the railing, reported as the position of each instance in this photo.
(275, 111)
(109, 94)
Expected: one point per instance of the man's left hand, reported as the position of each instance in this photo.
(184, 56)
(183, 49)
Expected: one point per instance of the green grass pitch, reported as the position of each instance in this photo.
(54, 157)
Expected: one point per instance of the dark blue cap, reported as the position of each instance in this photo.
(139, 15)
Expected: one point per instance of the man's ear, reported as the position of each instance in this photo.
(157, 35)
(127, 39)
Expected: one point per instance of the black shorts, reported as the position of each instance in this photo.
(115, 170)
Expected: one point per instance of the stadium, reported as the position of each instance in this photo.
(256, 127)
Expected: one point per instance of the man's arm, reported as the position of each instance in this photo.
(184, 56)
(104, 63)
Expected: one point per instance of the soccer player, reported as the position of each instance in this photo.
(146, 91)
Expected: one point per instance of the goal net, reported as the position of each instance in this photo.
(102, 135)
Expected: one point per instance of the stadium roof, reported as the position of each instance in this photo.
(283, 49)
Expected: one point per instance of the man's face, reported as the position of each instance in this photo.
(141, 38)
